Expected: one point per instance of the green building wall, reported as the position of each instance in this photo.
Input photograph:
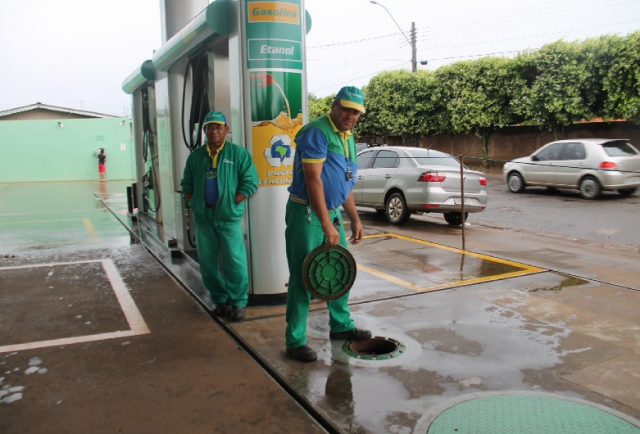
(62, 149)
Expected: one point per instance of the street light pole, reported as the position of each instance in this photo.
(412, 42)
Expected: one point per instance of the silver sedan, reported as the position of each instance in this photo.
(589, 165)
(398, 180)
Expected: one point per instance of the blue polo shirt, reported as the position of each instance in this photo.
(211, 189)
(320, 142)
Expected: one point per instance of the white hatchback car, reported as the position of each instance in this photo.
(398, 180)
(589, 165)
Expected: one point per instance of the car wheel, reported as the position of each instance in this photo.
(590, 188)
(515, 182)
(397, 211)
(627, 191)
(455, 218)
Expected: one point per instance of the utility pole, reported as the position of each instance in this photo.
(412, 42)
(414, 63)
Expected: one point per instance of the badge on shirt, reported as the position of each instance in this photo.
(349, 174)
(212, 174)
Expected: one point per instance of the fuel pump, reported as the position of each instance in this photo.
(197, 69)
(246, 59)
(150, 189)
(197, 72)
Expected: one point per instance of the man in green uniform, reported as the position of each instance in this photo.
(218, 178)
(324, 173)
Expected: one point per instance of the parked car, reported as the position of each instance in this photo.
(398, 180)
(363, 146)
(589, 165)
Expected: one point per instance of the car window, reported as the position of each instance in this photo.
(551, 152)
(426, 157)
(386, 160)
(573, 151)
(365, 159)
(619, 148)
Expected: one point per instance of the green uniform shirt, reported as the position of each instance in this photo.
(236, 174)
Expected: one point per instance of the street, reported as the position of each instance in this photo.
(610, 221)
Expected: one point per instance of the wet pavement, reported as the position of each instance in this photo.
(96, 336)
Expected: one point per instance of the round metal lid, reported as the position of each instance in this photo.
(328, 272)
(528, 414)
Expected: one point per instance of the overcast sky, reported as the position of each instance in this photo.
(77, 53)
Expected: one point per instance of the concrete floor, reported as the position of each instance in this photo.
(96, 336)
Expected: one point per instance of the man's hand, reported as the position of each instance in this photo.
(357, 232)
(188, 197)
(332, 234)
(240, 197)
(356, 226)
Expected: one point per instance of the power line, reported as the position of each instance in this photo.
(339, 44)
(507, 16)
(365, 55)
(352, 79)
(522, 16)
(534, 36)
(430, 29)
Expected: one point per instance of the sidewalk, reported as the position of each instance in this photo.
(517, 319)
(96, 360)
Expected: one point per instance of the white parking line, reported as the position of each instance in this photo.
(134, 318)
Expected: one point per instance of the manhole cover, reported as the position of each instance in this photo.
(328, 272)
(375, 348)
(509, 414)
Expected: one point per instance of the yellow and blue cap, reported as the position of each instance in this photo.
(351, 97)
(214, 118)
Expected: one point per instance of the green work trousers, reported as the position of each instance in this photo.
(223, 262)
(302, 236)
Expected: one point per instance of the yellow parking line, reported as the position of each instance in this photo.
(524, 268)
(390, 278)
(91, 230)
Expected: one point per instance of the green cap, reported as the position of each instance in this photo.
(214, 118)
(351, 97)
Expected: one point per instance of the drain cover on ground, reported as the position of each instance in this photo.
(518, 414)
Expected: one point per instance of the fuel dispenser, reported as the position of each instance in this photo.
(140, 84)
(244, 58)
(151, 198)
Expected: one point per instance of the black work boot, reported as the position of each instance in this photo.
(303, 353)
(219, 309)
(237, 313)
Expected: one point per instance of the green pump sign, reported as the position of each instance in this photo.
(274, 42)
(274, 34)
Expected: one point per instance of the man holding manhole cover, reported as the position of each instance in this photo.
(324, 174)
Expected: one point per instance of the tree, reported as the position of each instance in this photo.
(319, 106)
(622, 81)
(557, 93)
(399, 103)
(599, 55)
(555, 87)
(478, 96)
